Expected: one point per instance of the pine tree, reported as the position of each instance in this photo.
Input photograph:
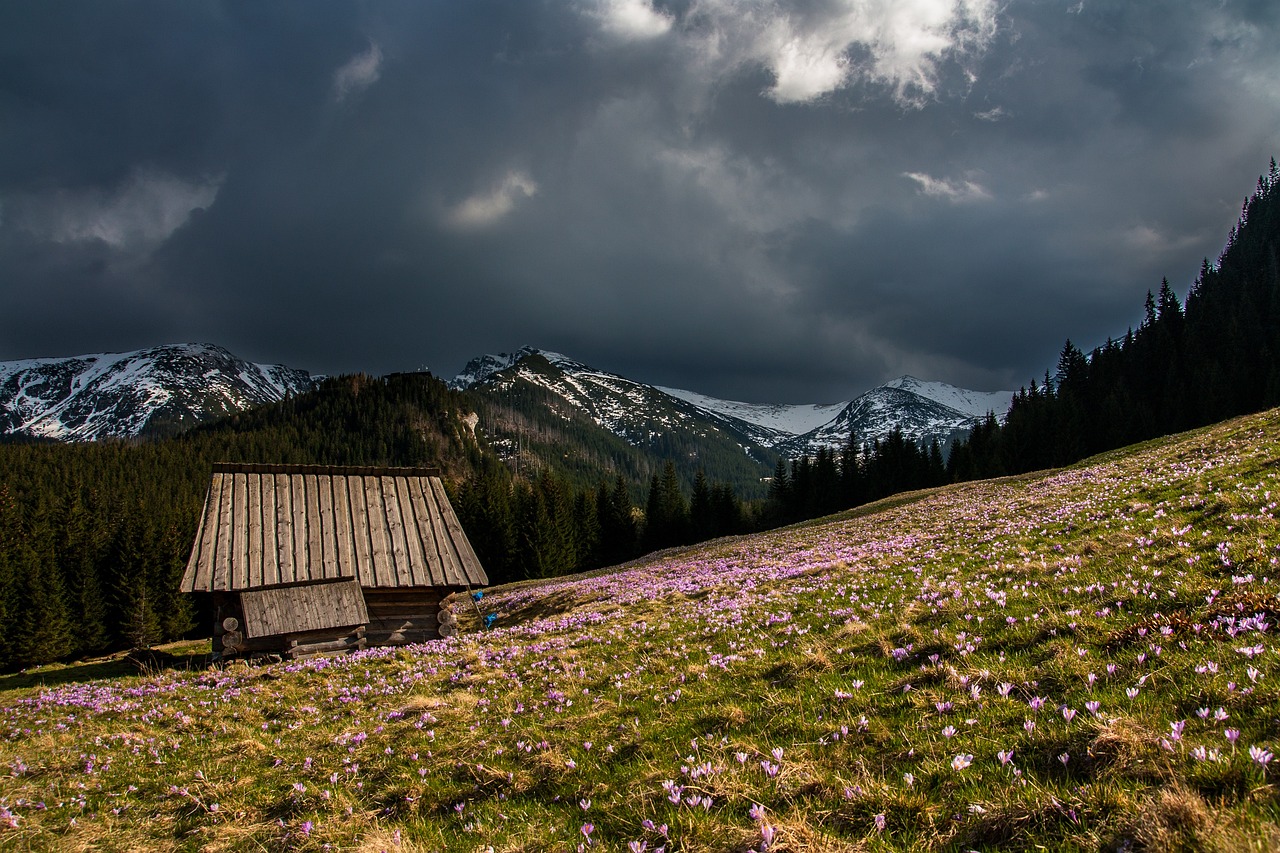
(701, 518)
(617, 522)
(779, 505)
(666, 513)
(44, 623)
(77, 549)
(586, 531)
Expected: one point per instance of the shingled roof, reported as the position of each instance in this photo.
(279, 525)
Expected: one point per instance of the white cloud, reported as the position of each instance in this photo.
(488, 207)
(139, 214)
(812, 52)
(957, 191)
(358, 74)
(631, 20)
(993, 114)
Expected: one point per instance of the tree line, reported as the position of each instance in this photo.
(1182, 367)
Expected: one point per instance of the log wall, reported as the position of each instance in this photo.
(395, 617)
(399, 616)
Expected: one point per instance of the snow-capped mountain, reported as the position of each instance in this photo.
(921, 417)
(639, 414)
(923, 411)
(123, 395)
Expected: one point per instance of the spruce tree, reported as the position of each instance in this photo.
(701, 518)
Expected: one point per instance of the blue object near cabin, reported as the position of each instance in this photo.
(489, 619)
(477, 595)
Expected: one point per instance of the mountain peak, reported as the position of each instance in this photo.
(972, 403)
(482, 367)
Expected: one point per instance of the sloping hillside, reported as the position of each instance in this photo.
(1079, 660)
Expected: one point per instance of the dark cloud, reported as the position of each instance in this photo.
(712, 195)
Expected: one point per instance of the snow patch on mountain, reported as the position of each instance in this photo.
(482, 367)
(779, 418)
(973, 403)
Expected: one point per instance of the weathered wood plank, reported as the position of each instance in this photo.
(416, 565)
(386, 629)
(270, 550)
(468, 561)
(455, 571)
(377, 521)
(252, 646)
(427, 615)
(338, 645)
(290, 610)
(423, 509)
(237, 550)
(360, 534)
(406, 605)
(343, 553)
(398, 546)
(199, 574)
(222, 561)
(417, 618)
(400, 638)
(298, 500)
(439, 535)
(315, 522)
(284, 528)
(328, 544)
(253, 529)
(322, 635)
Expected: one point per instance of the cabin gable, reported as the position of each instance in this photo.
(309, 556)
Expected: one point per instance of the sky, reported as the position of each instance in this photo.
(754, 199)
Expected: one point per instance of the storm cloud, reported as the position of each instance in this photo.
(756, 199)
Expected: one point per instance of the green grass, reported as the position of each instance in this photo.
(847, 684)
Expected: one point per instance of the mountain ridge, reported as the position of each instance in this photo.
(154, 390)
(923, 411)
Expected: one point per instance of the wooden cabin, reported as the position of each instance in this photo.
(309, 559)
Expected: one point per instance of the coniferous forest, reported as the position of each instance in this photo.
(1184, 366)
(94, 537)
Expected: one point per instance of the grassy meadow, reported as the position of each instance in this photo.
(1083, 659)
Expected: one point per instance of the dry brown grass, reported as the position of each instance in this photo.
(1126, 749)
(1176, 819)
(802, 837)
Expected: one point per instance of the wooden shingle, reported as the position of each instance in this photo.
(269, 526)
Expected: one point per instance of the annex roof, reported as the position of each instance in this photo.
(278, 525)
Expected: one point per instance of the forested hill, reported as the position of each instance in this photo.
(1182, 367)
(94, 537)
(586, 425)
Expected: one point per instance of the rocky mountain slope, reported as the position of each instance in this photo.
(634, 411)
(150, 391)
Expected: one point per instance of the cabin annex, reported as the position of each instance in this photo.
(308, 559)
